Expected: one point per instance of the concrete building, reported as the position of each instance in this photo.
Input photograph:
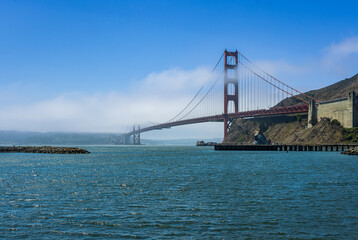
(345, 110)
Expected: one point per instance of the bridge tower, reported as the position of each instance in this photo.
(231, 91)
(136, 136)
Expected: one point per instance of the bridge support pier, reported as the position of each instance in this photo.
(227, 125)
(312, 114)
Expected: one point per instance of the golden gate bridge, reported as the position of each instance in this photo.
(240, 89)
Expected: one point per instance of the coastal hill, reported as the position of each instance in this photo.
(287, 130)
(292, 129)
(335, 91)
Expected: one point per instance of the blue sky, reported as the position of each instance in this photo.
(85, 65)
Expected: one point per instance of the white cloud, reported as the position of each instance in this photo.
(342, 56)
(156, 98)
(345, 48)
(280, 66)
(338, 57)
(336, 62)
(176, 80)
(287, 72)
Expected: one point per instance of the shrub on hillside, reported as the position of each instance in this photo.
(335, 122)
(351, 134)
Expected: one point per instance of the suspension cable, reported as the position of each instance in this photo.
(276, 78)
(203, 96)
(217, 64)
(272, 83)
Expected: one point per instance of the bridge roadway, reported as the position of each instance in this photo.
(274, 111)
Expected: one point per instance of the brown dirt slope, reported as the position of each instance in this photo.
(285, 130)
(323, 132)
(334, 91)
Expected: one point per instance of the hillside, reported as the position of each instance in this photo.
(334, 91)
(293, 129)
(286, 130)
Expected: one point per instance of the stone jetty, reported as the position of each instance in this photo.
(204, 144)
(43, 149)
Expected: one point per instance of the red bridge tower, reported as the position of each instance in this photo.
(231, 91)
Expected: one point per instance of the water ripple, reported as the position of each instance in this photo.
(180, 193)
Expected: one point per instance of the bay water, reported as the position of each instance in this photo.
(178, 192)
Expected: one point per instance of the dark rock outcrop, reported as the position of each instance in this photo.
(259, 138)
(351, 151)
(204, 144)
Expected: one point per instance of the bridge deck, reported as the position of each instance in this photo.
(220, 118)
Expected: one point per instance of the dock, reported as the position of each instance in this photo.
(283, 147)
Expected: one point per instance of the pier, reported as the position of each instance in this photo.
(302, 148)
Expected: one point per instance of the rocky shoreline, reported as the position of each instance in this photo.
(43, 149)
(204, 144)
(351, 151)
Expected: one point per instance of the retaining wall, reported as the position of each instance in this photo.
(344, 110)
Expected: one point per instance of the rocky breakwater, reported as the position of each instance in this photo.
(204, 144)
(43, 149)
(351, 151)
